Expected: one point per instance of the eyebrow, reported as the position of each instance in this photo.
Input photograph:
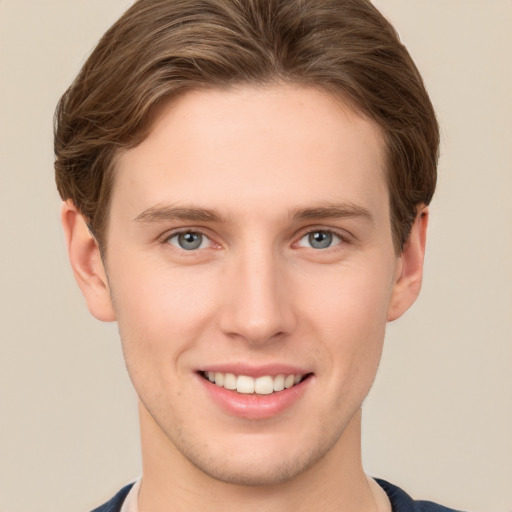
(332, 211)
(170, 212)
(320, 212)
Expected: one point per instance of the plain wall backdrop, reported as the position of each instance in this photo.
(439, 419)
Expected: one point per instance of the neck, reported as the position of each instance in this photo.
(334, 483)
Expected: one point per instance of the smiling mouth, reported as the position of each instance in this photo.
(244, 384)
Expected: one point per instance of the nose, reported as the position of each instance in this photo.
(257, 299)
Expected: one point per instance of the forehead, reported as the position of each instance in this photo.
(255, 145)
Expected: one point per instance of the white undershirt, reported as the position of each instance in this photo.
(130, 502)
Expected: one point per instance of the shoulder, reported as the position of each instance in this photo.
(114, 504)
(402, 502)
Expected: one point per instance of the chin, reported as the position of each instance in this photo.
(255, 473)
(254, 466)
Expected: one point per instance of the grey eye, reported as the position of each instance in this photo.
(319, 239)
(189, 240)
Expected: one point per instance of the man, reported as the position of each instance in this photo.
(246, 189)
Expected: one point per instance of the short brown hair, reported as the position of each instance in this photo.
(160, 48)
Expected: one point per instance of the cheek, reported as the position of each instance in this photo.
(160, 314)
(349, 297)
(348, 309)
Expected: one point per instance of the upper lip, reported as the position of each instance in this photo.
(256, 370)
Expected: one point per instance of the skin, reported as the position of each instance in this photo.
(270, 165)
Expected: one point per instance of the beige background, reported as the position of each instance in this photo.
(439, 420)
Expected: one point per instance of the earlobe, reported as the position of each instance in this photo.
(410, 268)
(85, 258)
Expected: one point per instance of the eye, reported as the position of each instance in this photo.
(319, 239)
(189, 240)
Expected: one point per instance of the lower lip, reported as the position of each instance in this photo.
(255, 406)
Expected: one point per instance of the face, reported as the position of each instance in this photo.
(250, 244)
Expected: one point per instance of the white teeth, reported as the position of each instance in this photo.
(264, 385)
(279, 383)
(289, 381)
(230, 381)
(219, 379)
(245, 384)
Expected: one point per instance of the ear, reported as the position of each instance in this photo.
(410, 268)
(85, 258)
